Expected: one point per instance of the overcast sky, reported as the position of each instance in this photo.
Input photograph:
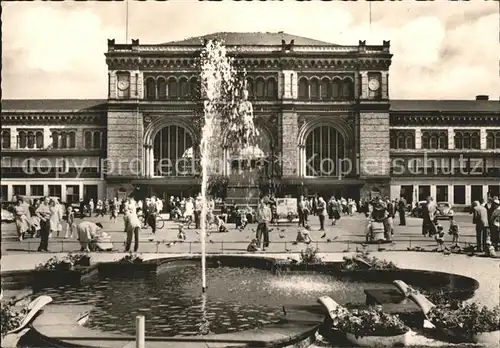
(442, 50)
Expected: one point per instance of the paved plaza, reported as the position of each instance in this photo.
(347, 235)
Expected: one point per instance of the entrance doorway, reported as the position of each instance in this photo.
(90, 191)
(407, 193)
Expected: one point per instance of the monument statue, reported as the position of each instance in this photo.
(242, 120)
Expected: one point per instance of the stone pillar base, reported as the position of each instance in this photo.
(375, 187)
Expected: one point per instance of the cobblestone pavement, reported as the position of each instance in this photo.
(347, 235)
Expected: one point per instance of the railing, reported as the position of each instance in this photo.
(236, 247)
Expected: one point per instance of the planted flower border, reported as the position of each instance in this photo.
(468, 322)
(370, 327)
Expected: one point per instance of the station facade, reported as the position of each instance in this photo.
(326, 121)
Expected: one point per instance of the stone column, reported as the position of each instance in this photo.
(418, 138)
(289, 148)
(468, 195)
(80, 190)
(451, 138)
(145, 158)
(433, 192)
(485, 191)
(112, 93)
(364, 84)
(287, 84)
(385, 85)
(483, 135)
(451, 194)
(13, 139)
(151, 162)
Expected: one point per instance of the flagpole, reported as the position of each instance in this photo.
(126, 21)
(370, 9)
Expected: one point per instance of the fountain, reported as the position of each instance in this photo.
(227, 114)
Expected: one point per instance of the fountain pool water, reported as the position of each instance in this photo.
(238, 299)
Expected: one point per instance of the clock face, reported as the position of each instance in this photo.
(373, 85)
(123, 85)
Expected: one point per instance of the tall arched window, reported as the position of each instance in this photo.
(410, 140)
(31, 140)
(97, 140)
(271, 90)
(23, 141)
(347, 89)
(260, 88)
(193, 88)
(64, 140)
(250, 88)
(6, 139)
(55, 140)
(173, 152)
(325, 147)
(434, 140)
(183, 88)
(162, 88)
(303, 88)
(72, 140)
(172, 88)
(314, 88)
(325, 89)
(39, 140)
(336, 88)
(87, 140)
(150, 88)
(402, 139)
(492, 139)
(467, 140)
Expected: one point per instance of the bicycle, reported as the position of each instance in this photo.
(160, 223)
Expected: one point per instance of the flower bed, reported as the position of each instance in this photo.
(370, 327)
(66, 263)
(468, 322)
(12, 316)
(365, 261)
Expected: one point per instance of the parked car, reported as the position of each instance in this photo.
(444, 210)
(418, 210)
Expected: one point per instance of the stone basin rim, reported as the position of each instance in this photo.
(305, 330)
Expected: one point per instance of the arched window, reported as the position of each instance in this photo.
(161, 88)
(183, 88)
(172, 88)
(39, 140)
(347, 89)
(459, 140)
(87, 140)
(325, 89)
(393, 137)
(31, 140)
(434, 140)
(6, 139)
(193, 88)
(492, 139)
(173, 152)
(336, 88)
(250, 88)
(64, 140)
(271, 90)
(409, 140)
(303, 88)
(467, 140)
(23, 141)
(72, 140)
(55, 140)
(325, 147)
(97, 140)
(150, 88)
(260, 88)
(314, 88)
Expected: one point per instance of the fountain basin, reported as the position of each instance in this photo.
(299, 323)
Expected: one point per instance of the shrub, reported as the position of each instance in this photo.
(441, 297)
(310, 255)
(468, 319)
(368, 322)
(12, 316)
(67, 262)
(131, 258)
(352, 263)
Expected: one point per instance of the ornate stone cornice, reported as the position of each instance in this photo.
(444, 120)
(187, 63)
(53, 118)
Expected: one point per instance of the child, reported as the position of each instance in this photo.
(181, 235)
(454, 232)
(253, 246)
(490, 249)
(303, 235)
(439, 236)
(70, 225)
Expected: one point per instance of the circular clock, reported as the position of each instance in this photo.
(123, 85)
(373, 85)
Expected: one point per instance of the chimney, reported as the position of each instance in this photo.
(482, 97)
